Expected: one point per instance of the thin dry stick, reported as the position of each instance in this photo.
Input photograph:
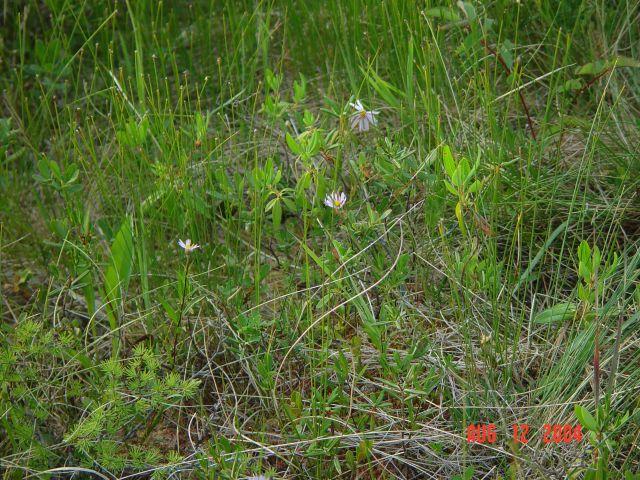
(616, 358)
(522, 100)
(591, 82)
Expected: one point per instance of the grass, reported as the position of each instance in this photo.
(483, 269)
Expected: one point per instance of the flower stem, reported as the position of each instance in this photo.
(180, 315)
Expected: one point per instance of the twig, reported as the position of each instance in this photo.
(522, 100)
(616, 358)
(591, 82)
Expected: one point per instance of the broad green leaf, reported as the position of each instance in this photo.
(597, 257)
(471, 172)
(116, 278)
(169, 310)
(570, 85)
(364, 450)
(558, 313)
(592, 68)
(300, 89)
(461, 174)
(277, 214)
(450, 187)
(474, 187)
(625, 62)
(584, 252)
(585, 418)
(584, 260)
(506, 50)
(409, 80)
(314, 144)
(443, 13)
(447, 160)
(468, 9)
(293, 145)
(468, 473)
(43, 166)
(118, 272)
(55, 169)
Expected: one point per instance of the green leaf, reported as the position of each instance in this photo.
(471, 172)
(116, 278)
(625, 62)
(59, 227)
(55, 169)
(592, 68)
(277, 214)
(468, 473)
(443, 13)
(300, 89)
(474, 187)
(388, 92)
(447, 160)
(409, 72)
(461, 174)
(293, 145)
(585, 418)
(321, 263)
(584, 252)
(596, 259)
(468, 9)
(363, 451)
(450, 187)
(374, 334)
(71, 173)
(558, 313)
(584, 260)
(315, 142)
(460, 217)
(506, 50)
(308, 118)
(570, 85)
(169, 310)
(43, 166)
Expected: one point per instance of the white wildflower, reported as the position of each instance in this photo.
(187, 246)
(335, 200)
(363, 118)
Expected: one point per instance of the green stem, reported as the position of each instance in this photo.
(182, 302)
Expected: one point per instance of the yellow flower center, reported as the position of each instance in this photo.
(336, 203)
(363, 114)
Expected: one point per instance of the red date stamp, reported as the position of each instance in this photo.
(481, 433)
(561, 433)
(551, 433)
